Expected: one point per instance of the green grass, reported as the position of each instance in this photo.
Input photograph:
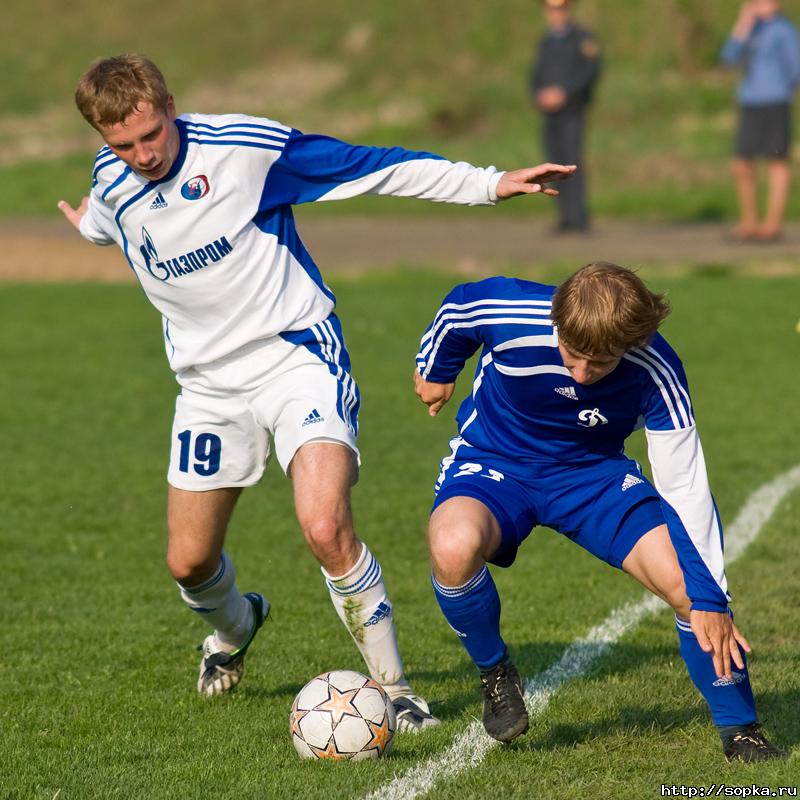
(449, 76)
(98, 666)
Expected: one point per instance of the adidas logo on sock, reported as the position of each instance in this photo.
(383, 610)
(567, 391)
(159, 202)
(737, 677)
(313, 417)
(630, 480)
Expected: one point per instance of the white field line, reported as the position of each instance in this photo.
(469, 748)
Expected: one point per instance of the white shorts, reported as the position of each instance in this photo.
(292, 389)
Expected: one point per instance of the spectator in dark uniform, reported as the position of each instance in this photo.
(766, 44)
(562, 80)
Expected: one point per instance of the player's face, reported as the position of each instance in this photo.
(766, 8)
(588, 369)
(557, 16)
(147, 141)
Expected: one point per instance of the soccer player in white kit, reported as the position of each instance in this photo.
(201, 207)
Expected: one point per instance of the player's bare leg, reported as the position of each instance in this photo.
(744, 173)
(462, 536)
(779, 178)
(322, 474)
(710, 644)
(197, 522)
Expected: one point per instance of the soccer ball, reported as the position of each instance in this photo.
(342, 715)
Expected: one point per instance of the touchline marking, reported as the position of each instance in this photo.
(469, 748)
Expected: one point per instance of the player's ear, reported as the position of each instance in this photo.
(172, 114)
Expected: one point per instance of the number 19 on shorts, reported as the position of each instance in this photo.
(204, 456)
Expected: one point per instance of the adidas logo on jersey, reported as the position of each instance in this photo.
(630, 480)
(383, 610)
(313, 417)
(567, 391)
(159, 202)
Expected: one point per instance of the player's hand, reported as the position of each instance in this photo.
(533, 180)
(434, 395)
(551, 98)
(748, 16)
(717, 635)
(74, 215)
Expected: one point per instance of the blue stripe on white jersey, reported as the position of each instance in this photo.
(235, 143)
(118, 180)
(278, 131)
(100, 165)
(243, 135)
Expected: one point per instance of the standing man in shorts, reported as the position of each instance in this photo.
(565, 375)
(201, 207)
(766, 44)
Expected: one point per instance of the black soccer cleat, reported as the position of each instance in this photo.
(504, 714)
(749, 744)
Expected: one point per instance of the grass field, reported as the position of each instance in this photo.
(449, 76)
(98, 666)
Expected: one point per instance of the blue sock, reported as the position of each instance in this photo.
(473, 612)
(731, 702)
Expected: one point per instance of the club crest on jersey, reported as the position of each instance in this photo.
(590, 417)
(195, 188)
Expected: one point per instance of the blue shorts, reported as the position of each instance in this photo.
(604, 506)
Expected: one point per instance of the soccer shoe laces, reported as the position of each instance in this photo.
(750, 744)
(498, 685)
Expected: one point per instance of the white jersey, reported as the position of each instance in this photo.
(214, 243)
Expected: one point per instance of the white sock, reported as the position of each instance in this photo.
(359, 597)
(222, 606)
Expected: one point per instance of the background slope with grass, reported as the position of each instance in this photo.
(448, 76)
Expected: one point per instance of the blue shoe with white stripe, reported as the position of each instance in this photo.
(220, 672)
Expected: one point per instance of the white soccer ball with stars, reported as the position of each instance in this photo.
(342, 715)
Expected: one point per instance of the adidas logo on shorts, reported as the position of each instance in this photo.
(630, 480)
(313, 417)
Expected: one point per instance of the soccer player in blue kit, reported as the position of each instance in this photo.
(565, 374)
(200, 205)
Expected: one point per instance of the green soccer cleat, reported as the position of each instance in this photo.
(220, 672)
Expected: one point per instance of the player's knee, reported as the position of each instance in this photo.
(455, 552)
(191, 568)
(327, 535)
(674, 592)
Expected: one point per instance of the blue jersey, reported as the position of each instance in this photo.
(526, 408)
(524, 403)
(771, 58)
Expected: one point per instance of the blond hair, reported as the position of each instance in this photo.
(605, 310)
(111, 89)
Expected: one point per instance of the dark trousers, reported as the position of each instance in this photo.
(563, 144)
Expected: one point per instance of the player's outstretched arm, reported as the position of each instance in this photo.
(434, 395)
(533, 180)
(74, 215)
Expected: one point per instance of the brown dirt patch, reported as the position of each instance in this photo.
(49, 250)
